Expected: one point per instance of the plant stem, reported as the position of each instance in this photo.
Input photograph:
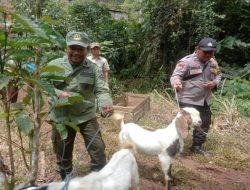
(35, 138)
(7, 121)
(22, 150)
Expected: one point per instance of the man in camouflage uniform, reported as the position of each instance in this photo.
(193, 78)
(87, 81)
(100, 61)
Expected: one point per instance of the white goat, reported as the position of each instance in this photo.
(121, 173)
(165, 143)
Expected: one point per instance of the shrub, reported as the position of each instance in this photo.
(240, 89)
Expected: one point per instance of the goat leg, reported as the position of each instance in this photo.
(170, 177)
(167, 184)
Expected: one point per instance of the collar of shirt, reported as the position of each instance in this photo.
(91, 57)
(196, 58)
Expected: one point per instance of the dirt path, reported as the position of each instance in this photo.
(187, 170)
(189, 173)
(215, 177)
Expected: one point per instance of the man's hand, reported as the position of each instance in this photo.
(209, 85)
(177, 85)
(64, 95)
(107, 110)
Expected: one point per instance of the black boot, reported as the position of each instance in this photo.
(199, 150)
(64, 173)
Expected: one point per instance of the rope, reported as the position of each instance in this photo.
(177, 99)
(201, 130)
(68, 176)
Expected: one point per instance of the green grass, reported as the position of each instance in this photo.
(230, 145)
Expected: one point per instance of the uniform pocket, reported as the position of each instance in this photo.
(86, 80)
(81, 107)
(192, 88)
(85, 84)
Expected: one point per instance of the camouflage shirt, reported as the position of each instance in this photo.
(89, 83)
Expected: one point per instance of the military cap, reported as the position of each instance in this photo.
(94, 44)
(207, 44)
(77, 38)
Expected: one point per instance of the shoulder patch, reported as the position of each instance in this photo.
(180, 66)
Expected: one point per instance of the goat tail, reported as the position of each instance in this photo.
(119, 117)
(128, 145)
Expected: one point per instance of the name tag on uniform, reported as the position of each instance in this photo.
(195, 71)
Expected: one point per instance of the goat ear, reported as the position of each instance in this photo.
(182, 126)
(183, 112)
(187, 116)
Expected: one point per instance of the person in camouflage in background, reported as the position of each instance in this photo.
(87, 81)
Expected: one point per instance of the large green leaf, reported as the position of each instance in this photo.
(27, 99)
(26, 23)
(67, 101)
(45, 85)
(232, 42)
(75, 99)
(29, 25)
(61, 103)
(62, 130)
(4, 80)
(55, 36)
(72, 125)
(21, 54)
(55, 77)
(24, 122)
(52, 69)
(30, 41)
(18, 29)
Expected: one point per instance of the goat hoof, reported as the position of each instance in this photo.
(170, 179)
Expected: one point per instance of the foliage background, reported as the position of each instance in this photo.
(156, 34)
(142, 50)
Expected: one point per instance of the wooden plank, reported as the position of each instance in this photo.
(134, 107)
(122, 108)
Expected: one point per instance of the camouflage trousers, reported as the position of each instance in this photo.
(199, 137)
(64, 148)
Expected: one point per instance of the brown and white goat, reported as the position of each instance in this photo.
(164, 143)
